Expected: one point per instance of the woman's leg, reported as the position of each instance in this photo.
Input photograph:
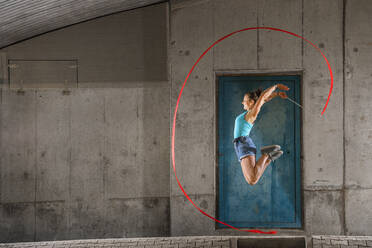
(248, 167)
(253, 170)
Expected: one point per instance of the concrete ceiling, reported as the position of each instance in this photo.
(23, 19)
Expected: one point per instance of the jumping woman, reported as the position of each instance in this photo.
(244, 147)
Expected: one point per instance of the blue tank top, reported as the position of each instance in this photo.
(242, 127)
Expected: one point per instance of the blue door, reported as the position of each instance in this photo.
(275, 201)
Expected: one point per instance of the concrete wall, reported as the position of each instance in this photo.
(336, 178)
(358, 133)
(92, 162)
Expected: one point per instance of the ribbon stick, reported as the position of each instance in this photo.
(293, 102)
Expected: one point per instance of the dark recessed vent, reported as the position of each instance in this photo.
(295, 242)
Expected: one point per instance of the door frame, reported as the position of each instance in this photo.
(250, 73)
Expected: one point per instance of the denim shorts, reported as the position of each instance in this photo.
(244, 147)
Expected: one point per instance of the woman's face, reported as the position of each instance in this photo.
(247, 103)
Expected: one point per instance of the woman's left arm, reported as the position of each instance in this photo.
(281, 94)
(266, 96)
(274, 94)
(261, 100)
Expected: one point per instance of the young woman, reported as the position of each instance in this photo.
(244, 147)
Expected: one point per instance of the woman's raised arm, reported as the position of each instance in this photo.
(261, 100)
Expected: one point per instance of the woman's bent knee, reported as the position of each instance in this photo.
(250, 182)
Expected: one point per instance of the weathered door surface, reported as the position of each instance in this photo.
(275, 201)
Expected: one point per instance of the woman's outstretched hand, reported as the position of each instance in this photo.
(283, 95)
(282, 87)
